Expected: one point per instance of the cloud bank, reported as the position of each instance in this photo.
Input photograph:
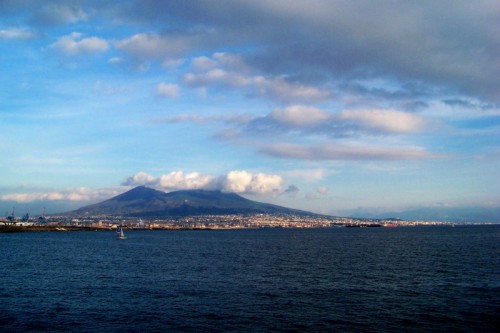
(336, 152)
(237, 181)
(80, 194)
(312, 120)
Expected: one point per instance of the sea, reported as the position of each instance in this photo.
(405, 279)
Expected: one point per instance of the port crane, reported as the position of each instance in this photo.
(42, 219)
(11, 219)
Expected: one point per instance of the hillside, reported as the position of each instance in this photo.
(143, 201)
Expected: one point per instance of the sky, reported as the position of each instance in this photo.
(336, 107)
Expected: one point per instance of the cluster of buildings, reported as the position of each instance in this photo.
(235, 221)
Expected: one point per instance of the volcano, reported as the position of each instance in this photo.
(143, 201)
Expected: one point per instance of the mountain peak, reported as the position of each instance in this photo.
(140, 192)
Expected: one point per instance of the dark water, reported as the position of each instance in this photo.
(424, 279)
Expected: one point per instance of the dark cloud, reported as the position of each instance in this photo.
(469, 104)
(45, 14)
(409, 97)
(450, 44)
(54, 14)
(458, 102)
(292, 189)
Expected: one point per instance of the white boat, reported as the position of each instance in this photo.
(119, 233)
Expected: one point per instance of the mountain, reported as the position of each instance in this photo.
(143, 201)
(442, 214)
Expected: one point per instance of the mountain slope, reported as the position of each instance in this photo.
(147, 202)
(452, 214)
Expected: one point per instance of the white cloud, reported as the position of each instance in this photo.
(16, 34)
(79, 194)
(246, 182)
(140, 178)
(173, 181)
(177, 180)
(283, 90)
(153, 46)
(298, 115)
(74, 44)
(231, 61)
(115, 60)
(335, 152)
(167, 90)
(384, 120)
(203, 63)
(238, 181)
(172, 62)
(348, 123)
(308, 175)
(196, 118)
(216, 76)
(229, 71)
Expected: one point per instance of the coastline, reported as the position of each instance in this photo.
(17, 228)
(64, 228)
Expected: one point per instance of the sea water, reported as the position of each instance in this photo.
(407, 279)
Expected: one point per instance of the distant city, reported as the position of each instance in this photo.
(236, 221)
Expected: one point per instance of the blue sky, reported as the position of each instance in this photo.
(331, 106)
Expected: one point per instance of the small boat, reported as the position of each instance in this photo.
(119, 233)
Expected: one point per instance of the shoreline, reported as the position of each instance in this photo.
(44, 228)
(17, 228)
